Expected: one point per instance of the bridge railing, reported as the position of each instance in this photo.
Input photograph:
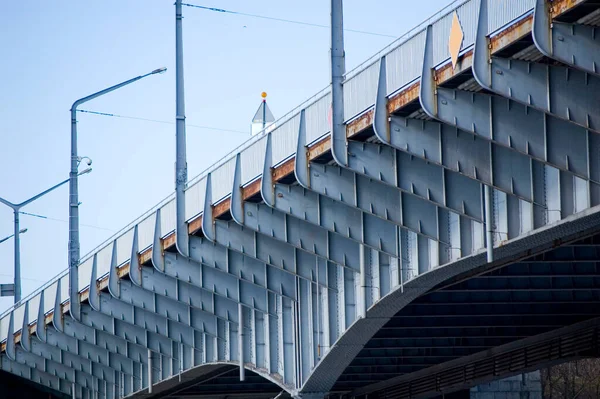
(404, 63)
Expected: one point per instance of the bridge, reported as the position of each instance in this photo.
(444, 234)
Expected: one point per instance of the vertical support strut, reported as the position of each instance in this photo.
(182, 241)
(489, 224)
(241, 341)
(149, 371)
(338, 69)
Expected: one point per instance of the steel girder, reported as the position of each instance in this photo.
(229, 277)
(562, 91)
(572, 44)
(298, 234)
(319, 286)
(34, 375)
(50, 363)
(334, 216)
(519, 138)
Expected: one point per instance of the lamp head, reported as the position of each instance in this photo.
(85, 171)
(159, 70)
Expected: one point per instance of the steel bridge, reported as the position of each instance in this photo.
(448, 235)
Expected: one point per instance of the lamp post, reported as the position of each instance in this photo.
(9, 289)
(16, 210)
(74, 194)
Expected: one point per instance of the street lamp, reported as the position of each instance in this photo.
(16, 210)
(12, 235)
(74, 194)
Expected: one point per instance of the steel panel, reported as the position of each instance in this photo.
(252, 160)
(49, 293)
(146, 232)
(284, 140)
(4, 326)
(168, 219)
(222, 180)
(124, 243)
(85, 273)
(194, 199)
(104, 259)
(19, 312)
(501, 13)
(404, 63)
(468, 16)
(64, 284)
(360, 91)
(317, 116)
(34, 304)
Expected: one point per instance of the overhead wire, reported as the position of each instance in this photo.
(223, 11)
(159, 121)
(64, 221)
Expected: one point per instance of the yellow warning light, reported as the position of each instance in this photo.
(263, 94)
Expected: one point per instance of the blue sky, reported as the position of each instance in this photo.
(54, 52)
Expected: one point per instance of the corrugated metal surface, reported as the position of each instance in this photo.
(34, 304)
(317, 118)
(19, 313)
(64, 285)
(146, 231)
(467, 15)
(404, 64)
(168, 219)
(85, 275)
(104, 260)
(4, 327)
(124, 247)
(503, 12)
(360, 91)
(49, 294)
(222, 180)
(253, 159)
(284, 139)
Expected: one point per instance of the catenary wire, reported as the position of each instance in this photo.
(223, 11)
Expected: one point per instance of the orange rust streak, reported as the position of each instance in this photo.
(511, 34)
(168, 241)
(403, 98)
(361, 123)
(284, 169)
(222, 207)
(319, 148)
(561, 6)
(145, 256)
(251, 189)
(194, 225)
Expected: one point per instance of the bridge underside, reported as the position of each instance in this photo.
(477, 312)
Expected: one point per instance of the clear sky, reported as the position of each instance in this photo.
(54, 52)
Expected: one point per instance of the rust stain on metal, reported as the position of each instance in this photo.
(561, 6)
(251, 189)
(284, 169)
(123, 270)
(319, 148)
(145, 255)
(222, 207)
(361, 123)
(403, 98)
(194, 225)
(168, 241)
(511, 34)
